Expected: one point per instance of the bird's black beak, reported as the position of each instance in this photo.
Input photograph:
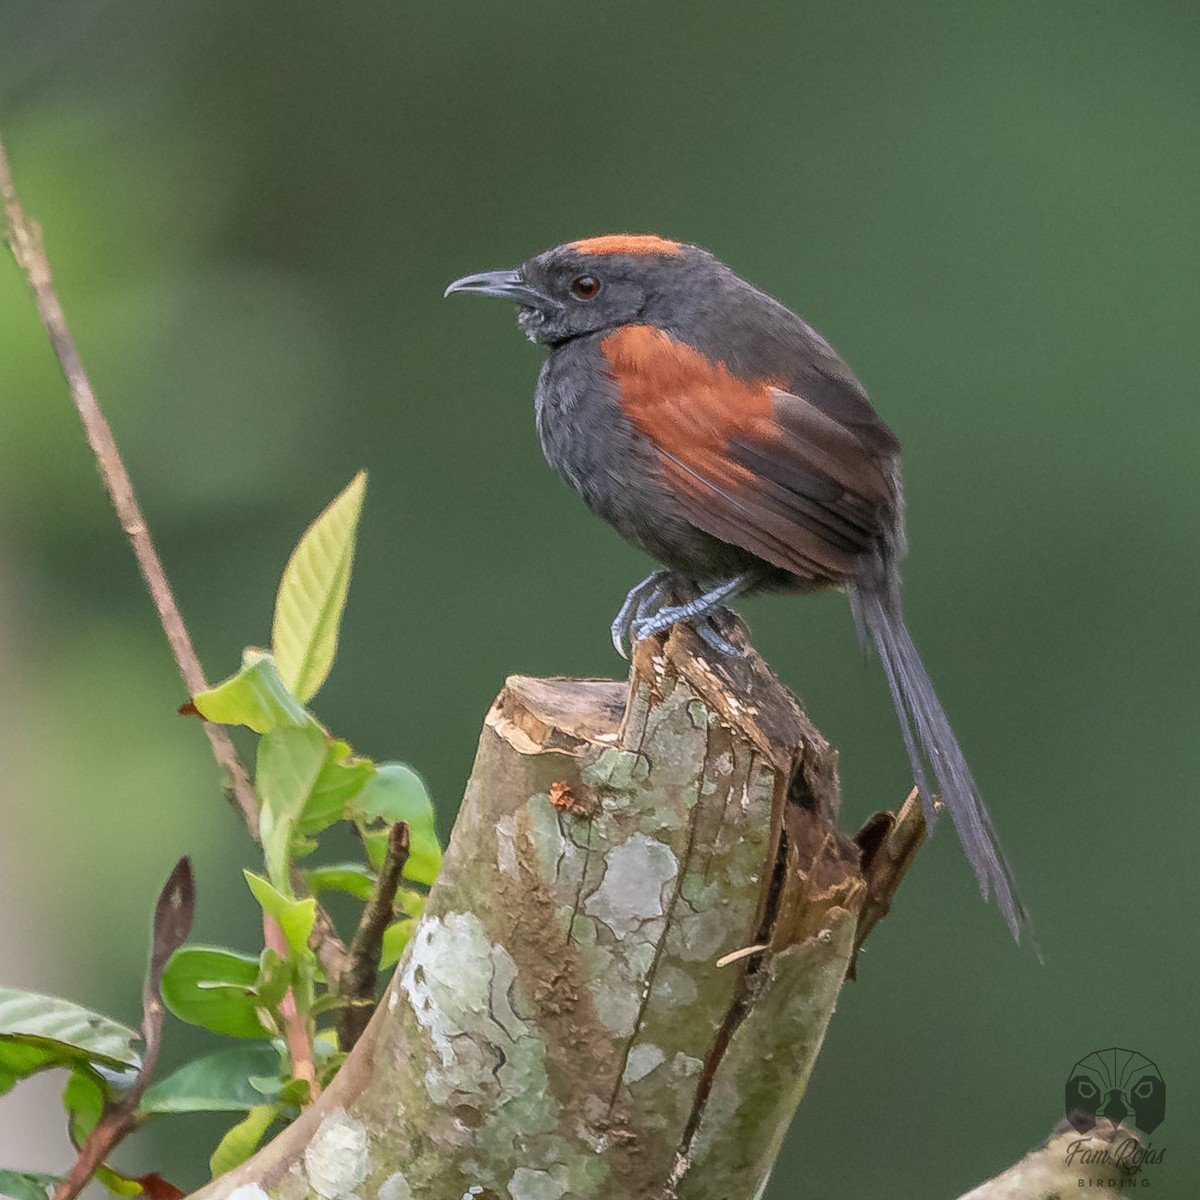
(506, 285)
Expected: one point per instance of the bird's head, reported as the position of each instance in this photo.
(601, 283)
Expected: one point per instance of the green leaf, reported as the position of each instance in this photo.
(330, 1067)
(395, 937)
(396, 793)
(118, 1184)
(242, 1140)
(296, 1092)
(294, 917)
(215, 1083)
(375, 842)
(28, 1185)
(329, 1002)
(410, 904)
(21, 1057)
(301, 847)
(354, 878)
(274, 978)
(424, 855)
(83, 1098)
(312, 594)
(214, 988)
(342, 778)
(424, 858)
(289, 762)
(37, 1032)
(255, 697)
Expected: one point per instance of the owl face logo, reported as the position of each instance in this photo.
(1121, 1086)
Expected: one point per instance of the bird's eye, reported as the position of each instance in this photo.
(584, 287)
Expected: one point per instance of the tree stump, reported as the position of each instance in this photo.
(624, 973)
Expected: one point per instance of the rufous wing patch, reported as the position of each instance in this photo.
(684, 402)
(698, 414)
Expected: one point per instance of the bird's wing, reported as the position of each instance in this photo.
(753, 463)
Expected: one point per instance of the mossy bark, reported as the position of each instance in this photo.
(560, 1025)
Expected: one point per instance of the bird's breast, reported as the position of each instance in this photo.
(584, 432)
(588, 437)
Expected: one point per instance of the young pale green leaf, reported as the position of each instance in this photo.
(341, 780)
(215, 1083)
(289, 763)
(214, 988)
(28, 1185)
(354, 878)
(242, 1140)
(312, 594)
(255, 697)
(39, 1031)
(294, 917)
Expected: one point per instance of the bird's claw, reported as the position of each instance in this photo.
(643, 614)
(707, 632)
(642, 597)
(710, 627)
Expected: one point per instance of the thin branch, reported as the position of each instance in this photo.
(24, 238)
(359, 981)
(172, 921)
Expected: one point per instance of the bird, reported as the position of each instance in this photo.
(716, 430)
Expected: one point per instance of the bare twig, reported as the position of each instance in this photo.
(172, 921)
(331, 950)
(359, 981)
(24, 237)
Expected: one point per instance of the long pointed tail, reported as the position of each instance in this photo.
(928, 737)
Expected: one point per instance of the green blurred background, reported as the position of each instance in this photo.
(991, 209)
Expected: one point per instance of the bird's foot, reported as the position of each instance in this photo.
(643, 598)
(642, 615)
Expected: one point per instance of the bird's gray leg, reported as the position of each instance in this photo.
(641, 596)
(701, 606)
(700, 612)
